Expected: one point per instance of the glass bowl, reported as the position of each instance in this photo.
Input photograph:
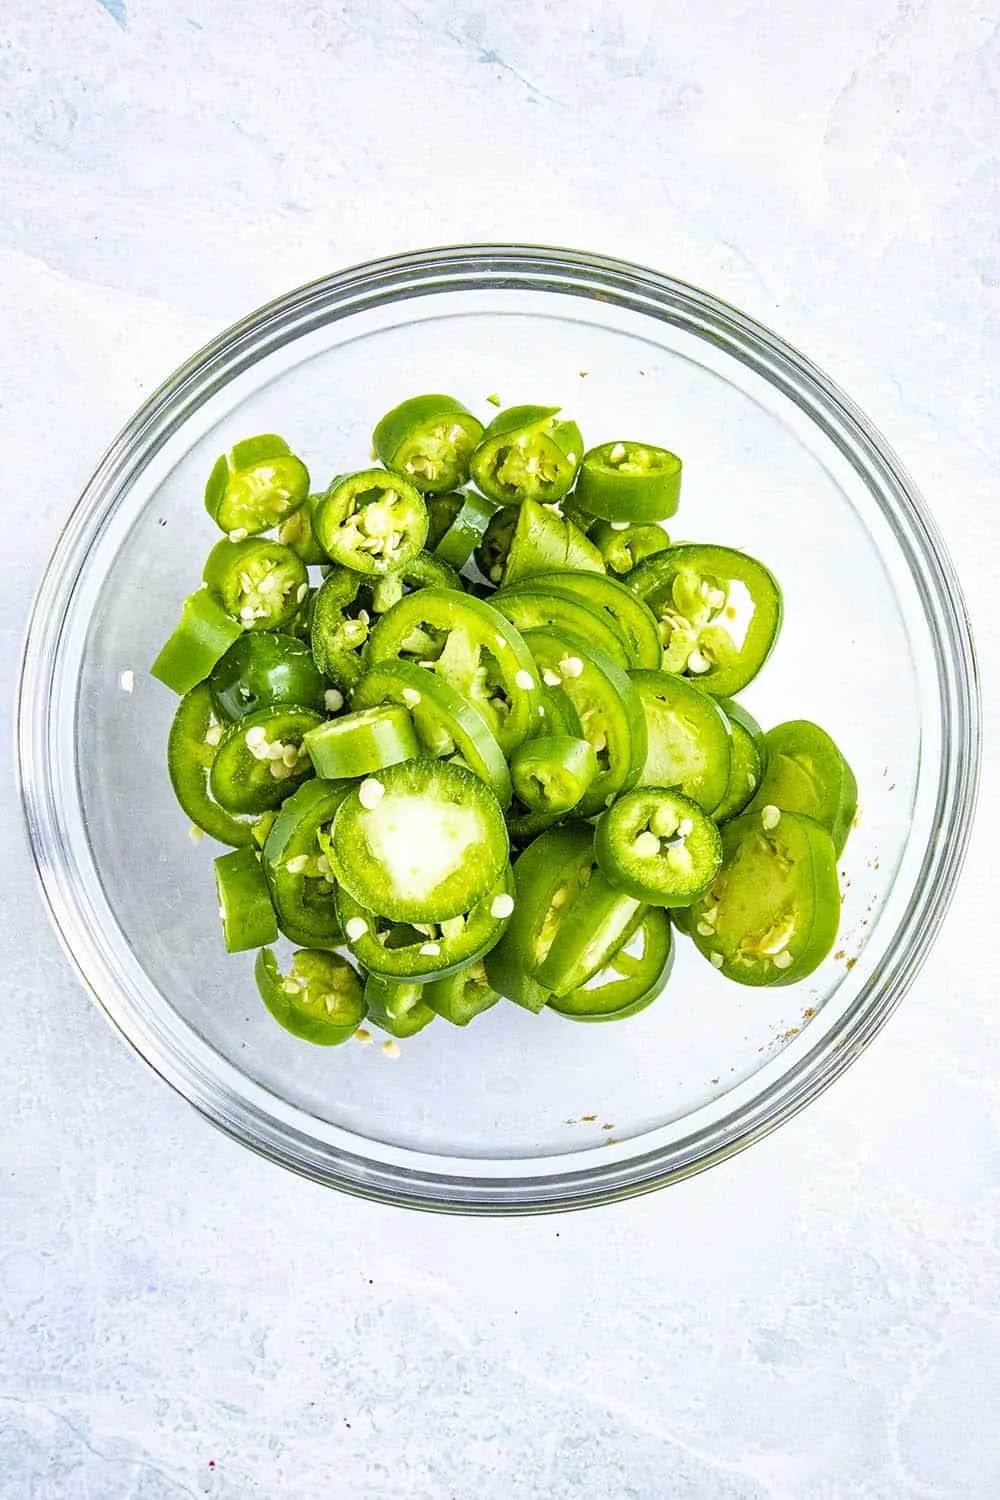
(518, 1113)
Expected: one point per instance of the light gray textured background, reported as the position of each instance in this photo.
(820, 1318)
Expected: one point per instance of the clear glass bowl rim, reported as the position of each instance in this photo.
(397, 279)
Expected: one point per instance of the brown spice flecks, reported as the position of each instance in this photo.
(851, 962)
(808, 1013)
(608, 1127)
(588, 1117)
(840, 953)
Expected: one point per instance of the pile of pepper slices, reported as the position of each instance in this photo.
(495, 751)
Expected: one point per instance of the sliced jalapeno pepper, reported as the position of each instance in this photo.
(261, 758)
(262, 668)
(806, 773)
(423, 841)
(297, 867)
(397, 1007)
(320, 1000)
(535, 605)
(430, 439)
(589, 932)
(372, 522)
(474, 648)
(492, 552)
(421, 951)
(624, 546)
(543, 541)
(260, 583)
(527, 454)
(771, 914)
(719, 613)
(464, 531)
(204, 634)
(425, 571)
(658, 846)
(245, 909)
(441, 513)
(445, 724)
(746, 760)
(688, 738)
(630, 981)
(547, 876)
(255, 485)
(462, 996)
(297, 532)
(553, 773)
(359, 743)
(626, 481)
(608, 705)
(634, 622)
(191, 750)
(336, 637)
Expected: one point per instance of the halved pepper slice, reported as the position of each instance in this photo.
(261, 758)
(255, 485)
(771, 914)
(719, 612)
(471, 646)
(623, 546)
(445, 724)
(297, 867)
(688, 738)
(262, 668)
(536, 604)
(658, 846)
(363, 742)
(297, 532)
(204, 634)
(320, 1000)
(245, 910)
(337, 637)
(806, 773)
(258, 582)
(526, 453)
(630, 981)
(430, 439)
(608, 706)
(425, 571)
(461, 996)
(628, 481)
(421, 951)
(371, 522)
(543, 541)
(634, 622)
(492, 552)
(589, 932)
(423, 841)
(397, 1006)
(192, 746)
(464, 530)
(746, 762)
(551, 774)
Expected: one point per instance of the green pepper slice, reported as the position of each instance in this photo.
(634, 622)
(492, 552)
(719, 612)
(627, 481)
(297, 868)
(623, 546)
(423, 841)
(255, 485)
(608, 706)
(261, 758)
(262, 668)
(420, 951)
(688, 738)
(464, 531)
(297, 532)
(337, 637)
(771, 915)
(630, 981)
(446, 726)
(535, 604)
(548, 876)
(551, 774)
(589, 932)
(371, 522)
(543, 541)
(461, 996)
(658, 846)
(245, 910)
(430, 439)
(260, 583)
(321, 999)
(471, 646)
(204, 634)
(191, 750)
(806, 773)
(527, 454)
(425, 571)
(359, 743)
(397, 1006)
(746, 761)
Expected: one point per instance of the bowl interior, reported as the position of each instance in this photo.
(513, 1097)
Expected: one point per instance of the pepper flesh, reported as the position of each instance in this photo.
(430, 439)
(191, 750)
(262, 668)
(806, 773)
(320, 1000)
(658, 846)
(255, 485)
(527, 454)
(544, 542)
(629, 481)
(245, 910)
(551, 774)
(372, 522)
(258, 582)
(426, 950)
(204, 635)
(260, 758)
(461, 996)
(297, 868)
(623, 548)
(630, 981)
(688, 738)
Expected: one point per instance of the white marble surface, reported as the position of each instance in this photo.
(818, 1319)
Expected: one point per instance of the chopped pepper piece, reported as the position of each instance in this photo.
(527, 454)
(430, 439)
(255, 485)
